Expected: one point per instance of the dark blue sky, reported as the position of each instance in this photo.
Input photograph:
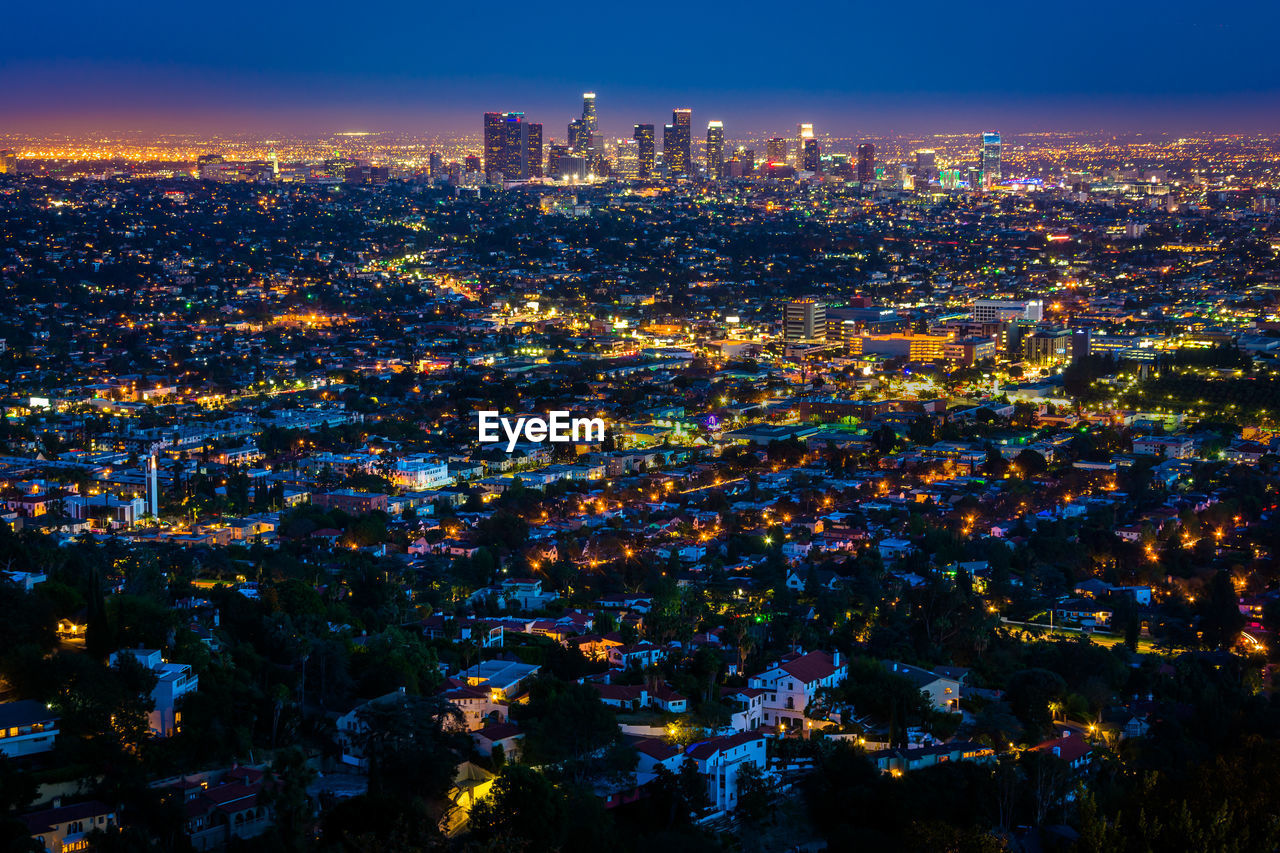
(849, 67)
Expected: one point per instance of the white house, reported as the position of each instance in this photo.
(173, 681)
(792, 684)
(892, 549)
(719, 761)
(421, 472)
(748, 711)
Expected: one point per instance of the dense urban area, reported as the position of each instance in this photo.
(933, 505)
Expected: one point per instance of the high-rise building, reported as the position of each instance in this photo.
(866, 163)
(555, 167)
(804, 132)
(512, 147)
(435, 164)
(926, 165)
(677, 147)
(643, 135)
(8, 162)
(810, 156)
(715, 150)
(494, 161)
(589, 111)
(626, 159)
(594, 154)
(533, 150)
(804, 320)
(775, 150)
(990, 163)
(579, 135)
(747, 157)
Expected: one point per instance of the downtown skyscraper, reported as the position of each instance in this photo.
(810, 155)
(715, 150)
(677, 142)
(512, 147)
(989, 164)
(643, 135)
(775, 150)
(866, 163)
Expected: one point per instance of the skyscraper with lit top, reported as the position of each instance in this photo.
(990, 161)
(512, 147)
(715, 150)
(677, 142)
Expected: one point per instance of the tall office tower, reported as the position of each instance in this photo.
(435, 164)
(8, 162)
(626, 159)
(589, 111)
(555, 166)
(866, 162)
(512, 147)
(594, 153)
(493, 158)
(533, 150)
(926, 164)
(747, 157)
(579, 135)
(990, 159)
(775, 150)
(804, 132)
(643, 135)
(811, 156)
(804, 320)
(715, 150)
(677, 142)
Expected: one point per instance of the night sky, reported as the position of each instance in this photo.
(851, 68)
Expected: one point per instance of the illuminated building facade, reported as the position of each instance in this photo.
(715, 150)
(643, 136)
(866, 162)
(626, 159)
(804, 320)
(811, 156)
(677, 151)
(990, 164)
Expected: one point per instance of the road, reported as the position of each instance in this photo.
(1145, 646)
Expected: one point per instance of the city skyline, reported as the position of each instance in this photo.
(609, 428)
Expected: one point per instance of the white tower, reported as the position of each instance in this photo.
(153, 486)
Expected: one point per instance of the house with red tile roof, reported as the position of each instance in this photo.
(220, 807)
(508, 736)
(1070, 747)
(792, 683)
(67, 827)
